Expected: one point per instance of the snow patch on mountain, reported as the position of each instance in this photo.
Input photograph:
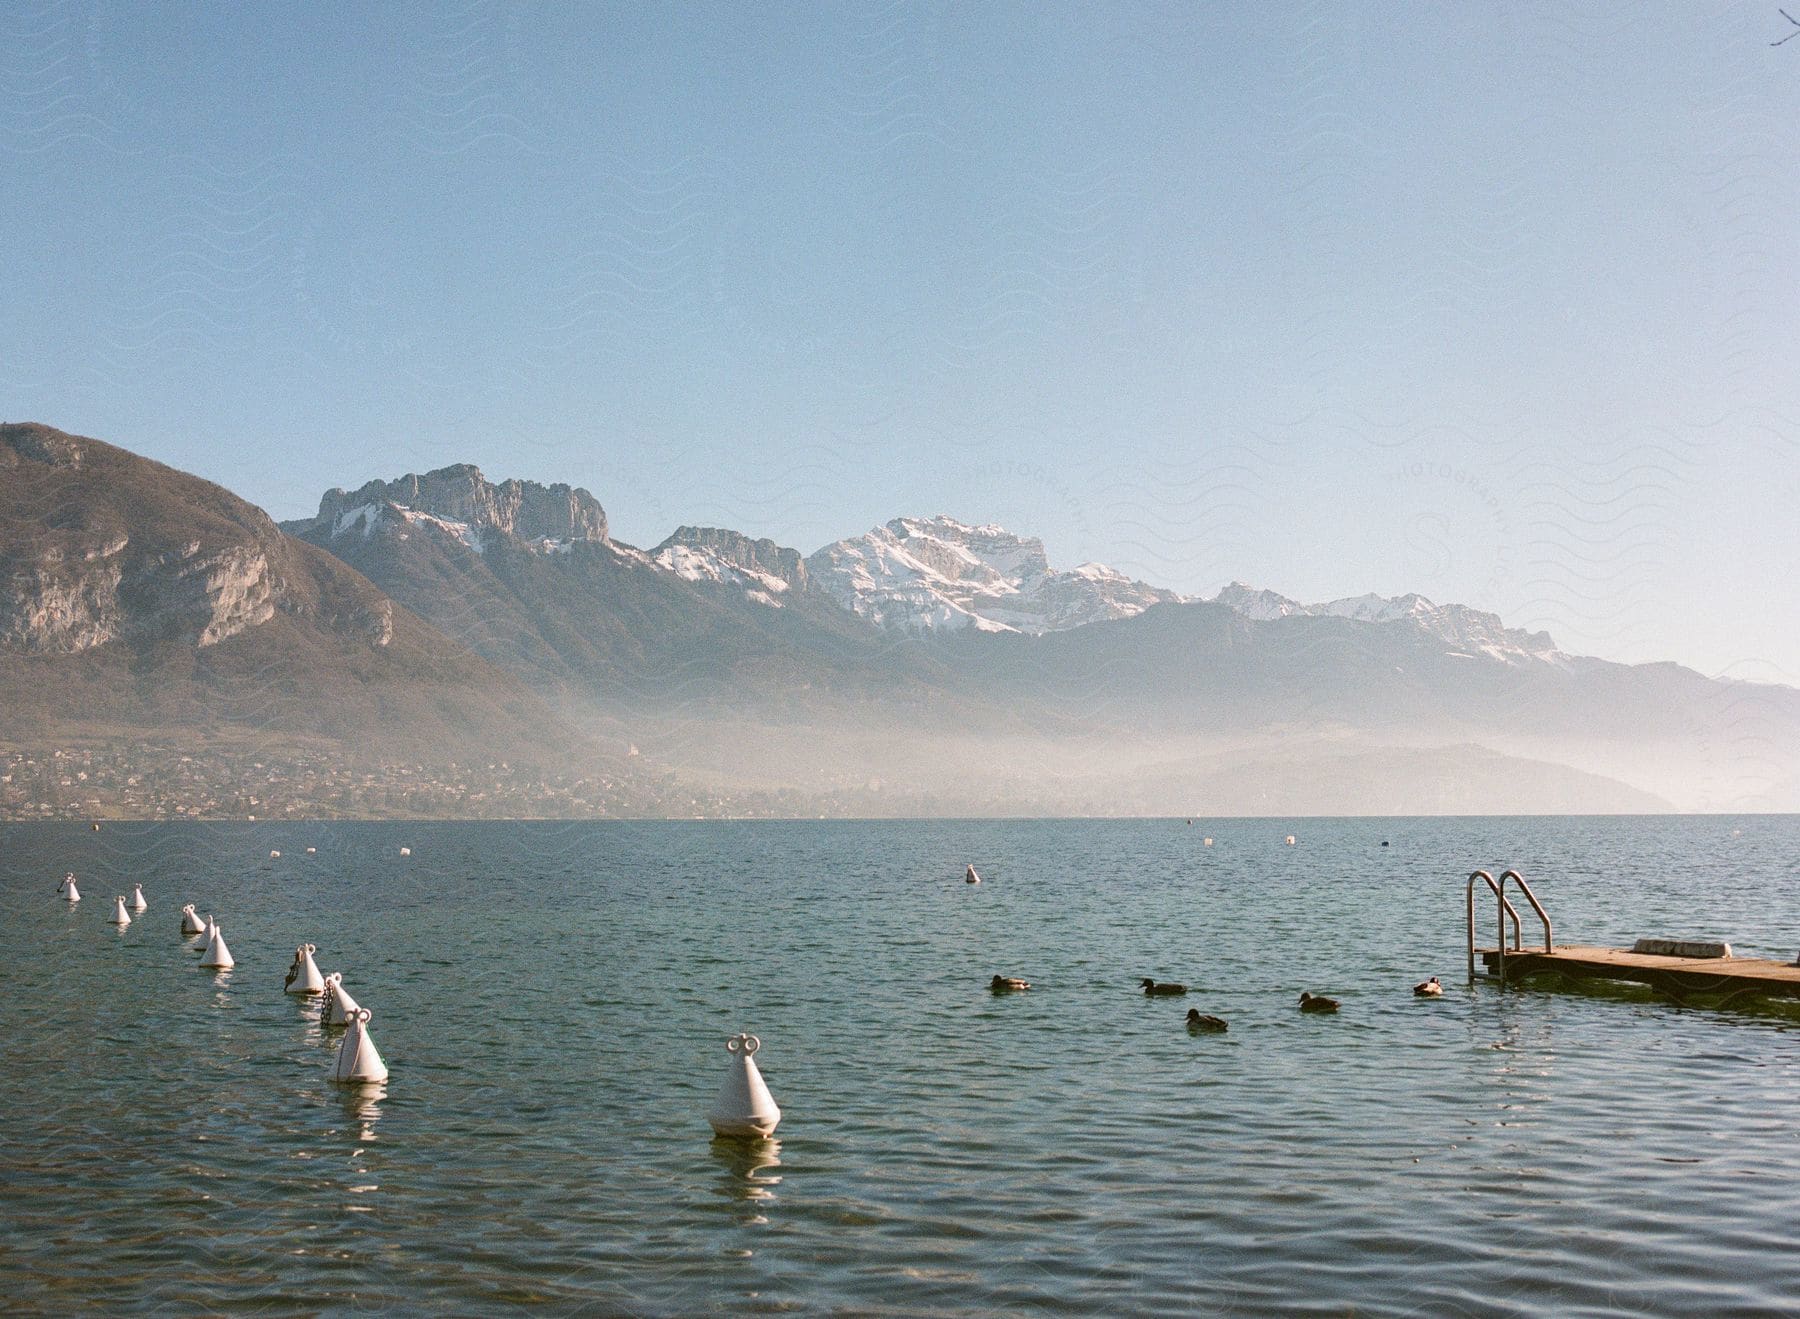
(940, 575)
(1471, 632)
(767, 573)
(368, 519)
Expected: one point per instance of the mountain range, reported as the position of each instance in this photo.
(926, 666)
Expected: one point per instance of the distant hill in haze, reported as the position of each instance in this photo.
(930, 666)
(897, 656)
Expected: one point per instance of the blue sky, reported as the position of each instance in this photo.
(1498, 306)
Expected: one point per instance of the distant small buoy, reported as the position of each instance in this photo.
(274, 855)
(68, 890)
(1384, 842)
(137, 898)
(745, 1107)
(358, 1061)
(1290, 840)
(970, 877)
(1207, 841)
(120, 916)
(1428, 988)
(303, 976)
(217, 954)
(312, 851)
(338, 1005)
(95, 826)
(406, 851)
(190, 923)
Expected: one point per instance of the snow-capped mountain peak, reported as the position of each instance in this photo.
(767, 573)
(938, 575)
(1470, 631)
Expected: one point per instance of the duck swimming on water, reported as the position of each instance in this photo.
(1154, 990)
(1198, 1020)
(1428, 988)
(1007, 984)
(1314, 1003)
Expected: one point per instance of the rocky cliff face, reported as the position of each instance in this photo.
(462, 494)
(101, 547)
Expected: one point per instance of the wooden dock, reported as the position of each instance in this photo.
(1716, 979)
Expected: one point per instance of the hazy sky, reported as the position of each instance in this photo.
(1496, 304)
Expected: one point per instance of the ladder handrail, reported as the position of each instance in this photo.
(1504, 906)
(1536, 906)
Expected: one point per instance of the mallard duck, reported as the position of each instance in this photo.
(1007, 984)
(1198, 1020)
(1314, 1003)
(1428, 988)
(1155, 990)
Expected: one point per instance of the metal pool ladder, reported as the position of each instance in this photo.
(1503, 912)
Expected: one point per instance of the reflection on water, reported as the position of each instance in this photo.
(362, 1105)
(745, 1161)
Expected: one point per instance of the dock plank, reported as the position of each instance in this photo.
(1730, 975)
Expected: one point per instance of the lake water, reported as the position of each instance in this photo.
(553, 1002)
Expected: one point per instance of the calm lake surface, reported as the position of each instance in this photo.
(553, 1001)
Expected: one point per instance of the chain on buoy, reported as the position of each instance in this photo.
(337, 1006)
(744, 1107)
(303, 976)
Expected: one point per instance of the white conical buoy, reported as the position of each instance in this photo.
(216, 954)
(312, 851)
(970, 877)
(274, 855)
(191, 924)
(406, 851)
(137, 897)
(1290, 840)
(358, 1060)
(303, 976)
(338, 1006)
(120, 916)
(745, 1107)
(68, 889)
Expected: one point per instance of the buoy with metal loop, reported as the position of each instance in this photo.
(358, 1061)
(191, 924)
(303, 976)
(217, 955)
(744, 1107)
(1290, 840)
(68, 890)
(338, 1006)
(120, 916)
(137, 897)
